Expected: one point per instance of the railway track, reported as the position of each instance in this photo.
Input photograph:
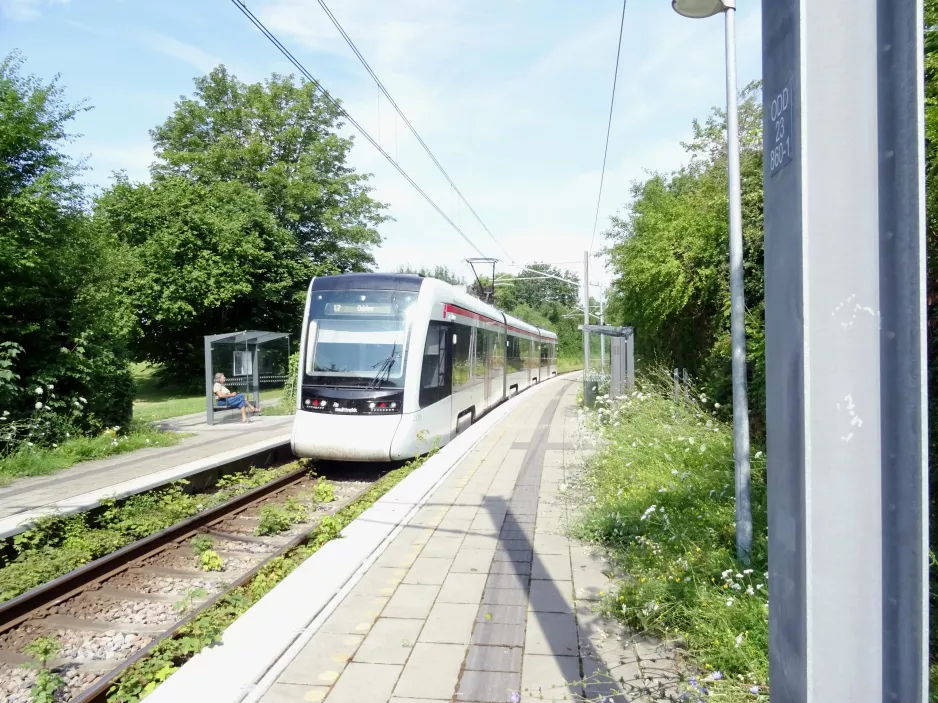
(114, 610)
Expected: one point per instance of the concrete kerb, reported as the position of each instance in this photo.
(258, 646)
(20, 522)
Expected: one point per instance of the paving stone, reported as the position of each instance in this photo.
(472, 561)
(549, 678)
(411, 601)
(379, 581)
(551, 544)
(443, 546)
(551, 596)
(480, 541)
(590, 584)
(365, 683)
(488, 686)
(555, 567)
(449, 623)
(389, 641)
(508, 581)
(513, 554)
(522, 568)
(428, 570)
(462, 588)
(551, 633)
(488, 633)
(322, 660)
(502, 614)
(462, 512)
(294, 693)
(431, 672)
(355, 615)
(598, 681)
(400, 557)
(513, 544)
(494, 658)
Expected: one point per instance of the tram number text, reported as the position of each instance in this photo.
(780, 110)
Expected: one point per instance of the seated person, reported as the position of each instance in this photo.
(231, 400)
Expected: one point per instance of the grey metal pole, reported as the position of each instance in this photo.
(738, 303)
(630, 361)
(846, 381)
(586, 318)
(602, 337)
(209, 396)
(677, 395)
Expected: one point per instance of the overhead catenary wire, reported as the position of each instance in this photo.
(325, 93)
(612, 102)
(348, 40)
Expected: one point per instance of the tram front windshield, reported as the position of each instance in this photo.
(358, 338)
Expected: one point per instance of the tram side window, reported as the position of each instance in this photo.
(545, 354)
(462, 361)
(515, 362)
(436, 377)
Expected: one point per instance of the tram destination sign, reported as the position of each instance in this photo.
(360, 308)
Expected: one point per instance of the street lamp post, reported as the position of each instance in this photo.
(701, 9)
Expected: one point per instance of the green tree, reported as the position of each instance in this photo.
(442, 273)
(251, 196)
(670, 256)
(207, 257)
(281, 140)
(58, 274)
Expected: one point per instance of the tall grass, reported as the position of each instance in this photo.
(660, 497)
(39, 461)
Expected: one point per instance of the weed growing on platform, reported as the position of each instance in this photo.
(35, 460)
(47, 682)
(206, 629)
(660, 498)
(57, 545)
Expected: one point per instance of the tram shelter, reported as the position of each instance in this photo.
(253, 362)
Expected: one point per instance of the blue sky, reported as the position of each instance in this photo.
(512, 96)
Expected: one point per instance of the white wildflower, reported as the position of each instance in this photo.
(747, 571)
(690, 439)
(716, 405)
(38, 406)
(649, 511)
(726, 573)
(114, 443)
(729, 602)
(50, 386)
(758, 455)
(5, 413)
(750, 591)
(38, 390)
(760, 586)
(735, 586)
(674, 472)
(739, 640)
(703, 448)
(82, 399)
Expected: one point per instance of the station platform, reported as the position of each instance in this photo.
(460, 584)
(84, 485)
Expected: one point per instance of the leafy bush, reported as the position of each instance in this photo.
(201, 544)
(273, 520)
(61, 313)
(324, 492)
(210, 560)
(660, 498)
(47, 682)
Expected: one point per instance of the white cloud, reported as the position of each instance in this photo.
(25, 10)
(189, 53)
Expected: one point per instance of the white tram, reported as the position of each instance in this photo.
(392, 363)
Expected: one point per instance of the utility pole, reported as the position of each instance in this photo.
(844, 208)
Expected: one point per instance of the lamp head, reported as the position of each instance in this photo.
(702, 8)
